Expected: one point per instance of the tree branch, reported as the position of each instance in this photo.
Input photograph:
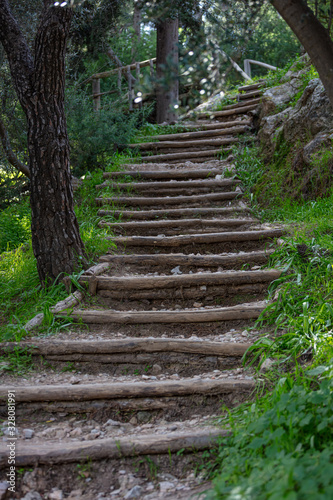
(11, 157)
(17, 51)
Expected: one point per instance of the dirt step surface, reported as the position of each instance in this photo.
(125, 402)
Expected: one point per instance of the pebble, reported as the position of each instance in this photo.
(135, 492)
(166, 486)
(56, 494)
(28, 433)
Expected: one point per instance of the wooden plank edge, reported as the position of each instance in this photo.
(154, 444)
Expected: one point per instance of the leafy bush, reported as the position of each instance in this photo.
(283, 449)
(15, 226)
(95, 136)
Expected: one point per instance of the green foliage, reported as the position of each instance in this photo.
(281, 446)
(17, 361)
(272, 42)
(95, 136)
(15, 226)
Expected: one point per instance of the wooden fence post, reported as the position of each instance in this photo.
(119, 81)
(96, 91)
(130, 96)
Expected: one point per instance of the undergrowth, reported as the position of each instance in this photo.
(281, 445)
(21, 294)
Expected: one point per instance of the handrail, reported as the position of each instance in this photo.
(248, 62)
(131, 81)
(123, 69)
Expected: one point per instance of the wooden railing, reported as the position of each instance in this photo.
(248, 62)
(132, 81)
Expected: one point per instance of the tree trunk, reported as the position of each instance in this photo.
(40, 86)
(137, 33)
(312, 35)
(167, 70)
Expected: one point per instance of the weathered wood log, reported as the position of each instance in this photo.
(175, 241)
(176, 224)
(151, 146)
(212, 126)
(249, 311)
(70, 301)
(229, 112)
(153, 283)
(153, 444)
(171, 184)
(90, 392)
(221, 291)
(133, 345)
(202, 133)
(250, 102)
(183, 156)
(166, 174)
(173, 200)
(249, 95)
(177, 212)
(253, 86)
(180, 259)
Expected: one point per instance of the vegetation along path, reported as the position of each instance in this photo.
(160, 332)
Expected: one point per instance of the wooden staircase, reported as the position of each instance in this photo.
(159, 339)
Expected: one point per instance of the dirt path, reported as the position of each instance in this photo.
(124, 405)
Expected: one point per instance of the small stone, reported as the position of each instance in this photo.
(133, 421)
(28, 433)
(156, 369)
(175, 376)
(75, 493)
(32, 495)
(203, 288)
(143, 416)
(176, 270)
(122, 472)
(113, 423)
(76, 432)
(56, 494)
(266, 365)
(245, 333)
(197, 304)
(166, 486)
(135, 492)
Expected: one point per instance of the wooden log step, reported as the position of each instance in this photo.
(252, 86)
(143, 186)
(182, 156)
(219, 125)
(184, 280)
(126, 346)
(91, 392)
(243, 311)
(165, 174)
(180, 259)
(250, 102)
(251, 94)
(176, 212)
(151, 146)
(172, 200)
(228, 112)
(175, 241)
(100, 449)
(201, 133)
(176, 224)
(189, 293)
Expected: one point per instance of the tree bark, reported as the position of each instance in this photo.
(136, 26)
(167, 70)
(40, 86)
(313, 36)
